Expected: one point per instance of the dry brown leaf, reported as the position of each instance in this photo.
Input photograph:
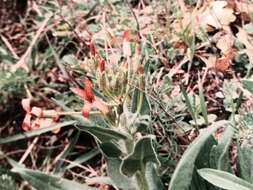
(225, 42)
(223, 63)
(217, 15)
(220, 64)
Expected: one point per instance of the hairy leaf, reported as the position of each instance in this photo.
(224, 180)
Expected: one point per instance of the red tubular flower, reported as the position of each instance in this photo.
(126, 35)
(101, 65)
(90, 100)
(92, 48)
(88, 93)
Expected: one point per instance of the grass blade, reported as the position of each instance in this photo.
(36, 132)
(188, 104)
(202, 103)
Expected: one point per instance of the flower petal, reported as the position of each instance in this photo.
(101, 65)
(51, 113)
(86, 109)
(46, 122)
(79, 92)
(92, 47)
(101, 106)
(89, 96)
(26, 104)
(126, 35)
(26, 125)
(37, 111)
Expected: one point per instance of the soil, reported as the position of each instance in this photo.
(11, 11)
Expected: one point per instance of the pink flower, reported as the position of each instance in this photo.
(30, 111)
(34, 116)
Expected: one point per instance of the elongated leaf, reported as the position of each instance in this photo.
(198, 183)
(100, 180)
(202, 103)
(182, 176)
(188, 103)
(140, 103)
(42, 181)
(104, 134)
(224, 180)
(110, 149)
(245, 163)
(153, 180)
(202, 161)
(220, 153)
(143, 153)
(83, 158)
(35, 132)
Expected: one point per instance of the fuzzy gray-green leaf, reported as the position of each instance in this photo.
(182, 176)
(224, 180)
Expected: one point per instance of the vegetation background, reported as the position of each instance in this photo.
(126, 94)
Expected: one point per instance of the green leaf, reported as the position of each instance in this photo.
(220, 153)
(68, 148)
(42, 181)
(202, 103)
(100, 180)
(35, 132)
(229, 89)
(70, 59)
(143, 153)
(119, 180)
(83, 158)
(104, 134)
(248, 85)
(110, 150)
(202, 161)
(152, 178)
(182, 176)
(140, 103)
(224, 180)
(188, 104)
(198, 183)
(245, 163)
